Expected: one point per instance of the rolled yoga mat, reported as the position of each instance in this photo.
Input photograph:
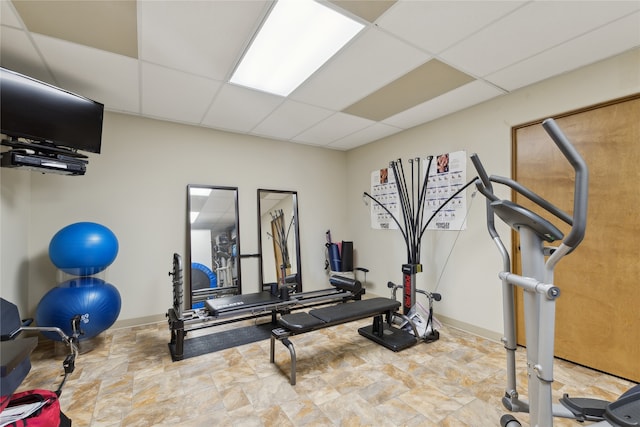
(334, 257)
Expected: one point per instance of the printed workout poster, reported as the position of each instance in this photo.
(383, 189)
(448, 174)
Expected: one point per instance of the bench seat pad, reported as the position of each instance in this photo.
(337, 314)
(346, 312)
(300, 322)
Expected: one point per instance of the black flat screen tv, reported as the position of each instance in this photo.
(47, 115)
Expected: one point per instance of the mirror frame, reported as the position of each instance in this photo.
(218, 291)
(296, 229)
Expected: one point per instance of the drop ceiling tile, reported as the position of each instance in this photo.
(174, 95)
(19, 54)
(431, 79)
(594, 46)
(369, 10)
(102, 76)
(513, 42)
(437, 25)
(364, 136)
(531, 29)
(348, 77)
(201, 37)
(90, 23)
(332, 128)
(458, 99)
(239, 109)
(290, 119)
(8, 15)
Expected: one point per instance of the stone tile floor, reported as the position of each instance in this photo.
(343, 379)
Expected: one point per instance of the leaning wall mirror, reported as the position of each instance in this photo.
(279, 236)
(213, 242)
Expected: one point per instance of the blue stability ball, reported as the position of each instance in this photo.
(83, 248)
(96, 301)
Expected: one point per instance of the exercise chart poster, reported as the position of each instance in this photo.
(447, 175)
(384, 190)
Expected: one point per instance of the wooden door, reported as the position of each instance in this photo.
(598, 312)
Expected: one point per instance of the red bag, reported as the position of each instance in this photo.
(48, 415)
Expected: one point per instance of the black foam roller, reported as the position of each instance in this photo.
(346, 283)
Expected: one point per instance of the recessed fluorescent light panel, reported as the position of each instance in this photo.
(201, 192)
(295, 40)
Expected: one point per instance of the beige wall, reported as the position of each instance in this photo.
(14, 230)
(469, 261)
(137, 188)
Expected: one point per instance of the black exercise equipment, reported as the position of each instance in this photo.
(412, 203)
(412, 200)
(538, 264)
(381, 331)
(15, 351)
(219, 311)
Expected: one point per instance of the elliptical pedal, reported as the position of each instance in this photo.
(625, 411)
(585, 409)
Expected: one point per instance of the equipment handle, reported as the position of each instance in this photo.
(482, 173)
(581, 188)
(578, 221)
(485, 187)
(545, 204)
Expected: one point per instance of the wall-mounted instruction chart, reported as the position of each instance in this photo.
(384, 190)
(447, 175)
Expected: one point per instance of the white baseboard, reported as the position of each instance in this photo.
(467, 327)
(472, 329)
(140, 321)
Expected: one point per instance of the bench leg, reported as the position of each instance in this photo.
(378, 326)
(272, 350)
(292, 352)
(179, 344)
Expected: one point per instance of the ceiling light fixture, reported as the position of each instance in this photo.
(295, 40)
(200, 192)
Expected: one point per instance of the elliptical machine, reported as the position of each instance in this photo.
(540, 293)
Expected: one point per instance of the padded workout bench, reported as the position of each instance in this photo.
(300, 323)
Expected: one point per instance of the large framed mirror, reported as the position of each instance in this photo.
(279, 239)
(214, 242)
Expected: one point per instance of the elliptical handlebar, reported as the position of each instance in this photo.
(578, 220)
(581, 187)
(484, 186)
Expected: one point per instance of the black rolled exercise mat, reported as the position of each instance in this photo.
(347, 256)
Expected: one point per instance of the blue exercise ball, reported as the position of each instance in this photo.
(94, 300)
(202, 278)
(83, 248)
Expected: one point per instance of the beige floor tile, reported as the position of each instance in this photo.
(343, 379)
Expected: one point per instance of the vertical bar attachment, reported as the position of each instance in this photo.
(409, 285)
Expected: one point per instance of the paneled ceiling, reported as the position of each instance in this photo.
(415, 60)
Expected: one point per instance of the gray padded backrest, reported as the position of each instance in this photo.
(9, 319)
